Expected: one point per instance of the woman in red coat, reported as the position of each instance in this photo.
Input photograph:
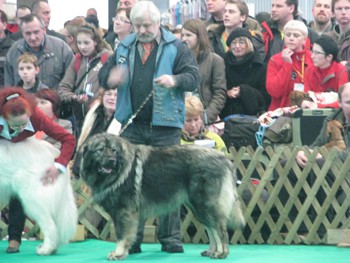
(286, 70)
(326, 74)
(20, 119)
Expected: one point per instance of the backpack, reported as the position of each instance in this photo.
(79, 57)
(240, 131)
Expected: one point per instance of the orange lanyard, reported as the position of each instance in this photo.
(223, 41)
(301, 74)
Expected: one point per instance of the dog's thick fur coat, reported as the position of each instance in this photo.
(136, 181)
(335, 132)
(53, 207)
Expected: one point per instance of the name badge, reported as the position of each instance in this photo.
(298, 87)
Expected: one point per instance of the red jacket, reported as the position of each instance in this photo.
(42, 123)
(328, 79)
(281, 77)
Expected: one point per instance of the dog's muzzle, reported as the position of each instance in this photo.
(106, 167)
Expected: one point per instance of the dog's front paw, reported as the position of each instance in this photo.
(45, 249)
(113, 256)
(206, 253)
(214, 254)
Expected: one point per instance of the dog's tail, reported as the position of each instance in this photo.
(236, 218)
(66, 213)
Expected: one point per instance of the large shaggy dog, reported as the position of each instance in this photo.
(136, 181)
(23, 164)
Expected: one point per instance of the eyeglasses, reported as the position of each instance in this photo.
(121, 19)
(317, 52)
(241, 43)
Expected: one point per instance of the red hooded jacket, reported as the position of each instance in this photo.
(281, 77)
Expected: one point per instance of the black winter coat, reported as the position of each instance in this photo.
(250, 75)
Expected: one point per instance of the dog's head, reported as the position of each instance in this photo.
(334, 129)
(103, 158)
(297, 97)
(334, 133)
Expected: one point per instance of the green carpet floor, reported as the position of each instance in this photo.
(96, 251)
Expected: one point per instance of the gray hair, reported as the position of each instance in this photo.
(141, 8)
(296, 25)
(30, 18)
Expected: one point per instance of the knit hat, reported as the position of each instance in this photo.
(238, 32)
(328, 45)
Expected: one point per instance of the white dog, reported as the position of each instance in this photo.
(53, 207)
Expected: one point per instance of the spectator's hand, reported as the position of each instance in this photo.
(50, 176)
(166, 81)
(301, 158)
(287, 55)
(308, 104)
(234, 92)
(82, 98)
(117, 76)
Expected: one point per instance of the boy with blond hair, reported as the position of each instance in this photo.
(28, 69)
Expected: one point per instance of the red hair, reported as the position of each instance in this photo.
(16, 101)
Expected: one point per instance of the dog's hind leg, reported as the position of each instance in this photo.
(212, 244)
(36, 210)
(218, 242)
(215, 223)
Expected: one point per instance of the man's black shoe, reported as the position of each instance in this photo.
(176, 248)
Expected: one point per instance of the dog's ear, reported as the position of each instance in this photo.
(81, 156)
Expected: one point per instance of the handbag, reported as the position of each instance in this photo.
(240, 130)
(280, 131)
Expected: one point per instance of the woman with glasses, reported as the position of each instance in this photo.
(80, 84)
(122, 27)
(286, 69)
(212, 90)
(245, 74)
(235, 15)
(20, 119)
(326, 75)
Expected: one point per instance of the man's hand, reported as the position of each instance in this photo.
(166, 81)
(117, 76)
